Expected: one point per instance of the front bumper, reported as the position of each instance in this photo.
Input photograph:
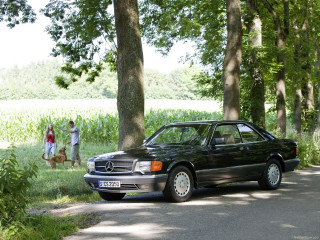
(144, 183)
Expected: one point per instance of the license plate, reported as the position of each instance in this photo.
(109, 184)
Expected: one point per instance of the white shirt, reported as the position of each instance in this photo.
(75, 136)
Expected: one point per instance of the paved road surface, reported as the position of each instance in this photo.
(241, 211)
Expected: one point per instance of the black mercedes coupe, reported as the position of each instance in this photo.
(182, 156)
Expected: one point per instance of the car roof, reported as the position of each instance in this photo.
(209, 122)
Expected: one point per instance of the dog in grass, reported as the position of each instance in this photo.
(57, 159)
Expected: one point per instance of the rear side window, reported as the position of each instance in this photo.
(229, 132)
(248, 134)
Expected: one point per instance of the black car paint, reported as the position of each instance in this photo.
(211, 164)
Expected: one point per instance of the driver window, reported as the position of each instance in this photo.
(229, 132)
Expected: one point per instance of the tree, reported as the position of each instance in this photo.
(130, 74)
(232, 61)
(298, 91)
(254, 63)
(282, 31)
(84, 32)
(203, 22)
(15, 12)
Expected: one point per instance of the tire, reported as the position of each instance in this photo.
(179, 185)
(111, 196)
(272, 176)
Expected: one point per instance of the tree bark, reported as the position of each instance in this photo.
(232, 61)
(307, 81)
(317, 69)
(130, 99)
(298, 95)
(281, 36)
(257, 89)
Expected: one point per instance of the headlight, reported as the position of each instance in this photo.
(91, 166)
(148, 166)
(143, 166)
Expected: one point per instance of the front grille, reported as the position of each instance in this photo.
(114, 166)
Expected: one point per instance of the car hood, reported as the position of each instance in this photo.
(146, 153)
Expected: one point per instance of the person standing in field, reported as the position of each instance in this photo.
(75, 143)
(49, 142)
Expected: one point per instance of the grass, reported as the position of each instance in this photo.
(58, 187)
(45, 227)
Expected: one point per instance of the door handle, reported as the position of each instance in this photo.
(244, 148)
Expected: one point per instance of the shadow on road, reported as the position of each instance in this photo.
(239, 211)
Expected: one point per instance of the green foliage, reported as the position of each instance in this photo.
(211, 86)
(157, 118)
(39, 83)
(309, 147)
(84, 31)
(203, 22)
(15, 12)
(39, 227)
(55, 188)
(14, 183)
(95, 126)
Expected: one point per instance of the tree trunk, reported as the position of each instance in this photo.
(317, 69)
(130, 99)
(307, 81)
(257, 89)
(281, 87)
(297, 110)
(232, 61)
(298, 95)
(282, 32)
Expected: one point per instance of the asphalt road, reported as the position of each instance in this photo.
(240, 211)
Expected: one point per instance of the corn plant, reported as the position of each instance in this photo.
(96, 126)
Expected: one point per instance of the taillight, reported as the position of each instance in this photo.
(297, 151)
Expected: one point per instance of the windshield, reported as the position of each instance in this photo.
(195, 134)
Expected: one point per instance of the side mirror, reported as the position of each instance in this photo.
(218, 141)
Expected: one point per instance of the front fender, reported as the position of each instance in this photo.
(189, 165)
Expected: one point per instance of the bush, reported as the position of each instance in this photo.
(14, 182)
(308, 145)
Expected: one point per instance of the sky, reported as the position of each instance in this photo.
(27, 43)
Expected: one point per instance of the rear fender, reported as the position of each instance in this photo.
(278, 157)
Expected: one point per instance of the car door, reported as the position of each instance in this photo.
(255, 151)
(223, 159)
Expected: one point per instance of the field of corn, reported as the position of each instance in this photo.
(25, 122)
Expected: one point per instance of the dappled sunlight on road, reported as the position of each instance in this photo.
(139, 230)
(265, 195)
(286, 225)
(308, 173)
(225, 212)
(201, 203)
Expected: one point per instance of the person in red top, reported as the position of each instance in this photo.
(50, 140)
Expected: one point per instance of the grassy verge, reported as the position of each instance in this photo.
(45, 227)
(55, 188)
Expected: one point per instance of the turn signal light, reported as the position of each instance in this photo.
(156, 166)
